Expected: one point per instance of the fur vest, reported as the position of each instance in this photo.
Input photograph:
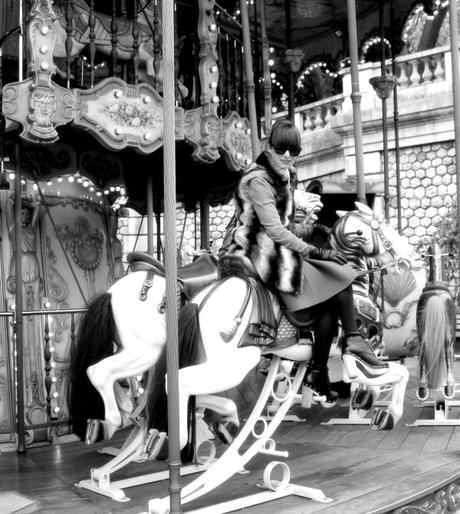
(276, 265)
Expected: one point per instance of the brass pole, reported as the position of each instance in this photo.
(356, 100)
(456, 97)
(249, 78)
(265, 69)
(396, 123)
(383, 72)
(169, 162)
(18, 324)
(150, 214)
(204, 223)
(290, 76)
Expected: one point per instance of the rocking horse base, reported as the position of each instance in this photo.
(115, 490)
(441, 410)
(275, 489)
(257, 499)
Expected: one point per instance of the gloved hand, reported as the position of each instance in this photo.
(327, 255)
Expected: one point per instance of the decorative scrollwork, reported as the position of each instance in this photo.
(443, 501)
(85, 247)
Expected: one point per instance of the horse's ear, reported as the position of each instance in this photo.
(364, 208)
(341, 214)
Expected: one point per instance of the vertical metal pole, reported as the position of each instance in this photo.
(356, 100)
(150, 214)
(383, 72)
(18, 326)
(21, 43)
(456, 97)
(249, 78)
(170, 256)
(287, 16)
(204, 224)
(396, 123)
(265, 69)
(257, 54)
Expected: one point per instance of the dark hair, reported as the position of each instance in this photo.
(284, 133)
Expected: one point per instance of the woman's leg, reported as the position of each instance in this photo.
(354, 342)
(325, 328)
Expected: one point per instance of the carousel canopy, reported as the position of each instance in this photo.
(317, 28)
(320, 26)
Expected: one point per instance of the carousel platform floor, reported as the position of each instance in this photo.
(362, 470)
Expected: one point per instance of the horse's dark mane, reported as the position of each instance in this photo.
(94, 342)
(190, 350)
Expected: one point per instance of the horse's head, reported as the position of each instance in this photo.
(362, 233)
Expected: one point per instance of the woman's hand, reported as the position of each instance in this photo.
(327, 255)
(333, 255)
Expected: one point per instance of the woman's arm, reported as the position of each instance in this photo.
(263, 199)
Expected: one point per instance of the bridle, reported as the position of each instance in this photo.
(376, 233)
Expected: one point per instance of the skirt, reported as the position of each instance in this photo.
(321, 280)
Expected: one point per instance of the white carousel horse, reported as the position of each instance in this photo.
(436, 325)
(109, 350)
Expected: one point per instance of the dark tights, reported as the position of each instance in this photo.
(326, 316)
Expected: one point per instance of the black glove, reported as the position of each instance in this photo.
(327, 255)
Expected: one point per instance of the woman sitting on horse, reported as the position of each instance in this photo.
(313, 283)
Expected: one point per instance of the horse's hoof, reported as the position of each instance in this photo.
(362, 399)
(225, 432)
(96, 430)
(449, 392)
(422, 393)
(382, 419)
(153, 444)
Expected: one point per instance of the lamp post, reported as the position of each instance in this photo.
(293, 60)
(384, 86)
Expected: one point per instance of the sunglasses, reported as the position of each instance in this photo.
(294, 151)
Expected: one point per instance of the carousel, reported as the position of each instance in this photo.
(195, 372)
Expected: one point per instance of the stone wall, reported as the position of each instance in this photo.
(428, 189)
(428, 201)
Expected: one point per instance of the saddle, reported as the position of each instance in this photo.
(193, 277)
(263, 329)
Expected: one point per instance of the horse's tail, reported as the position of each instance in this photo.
(94, 341)
(435, 331)
(190, 350)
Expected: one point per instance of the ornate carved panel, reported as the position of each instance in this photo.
(117, 114)
(211, 136)
(236, 141)
(39, 110)
(121, 115)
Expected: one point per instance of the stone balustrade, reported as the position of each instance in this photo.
(318, 115)
(424, 67)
